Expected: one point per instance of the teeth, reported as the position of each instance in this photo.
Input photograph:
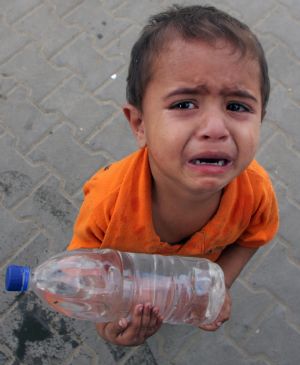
(215, 163)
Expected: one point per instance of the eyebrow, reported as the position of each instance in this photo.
(202, 89)
(187, 91)
(241, 93)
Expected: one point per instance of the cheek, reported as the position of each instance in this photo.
(165, 135)
(252, 141)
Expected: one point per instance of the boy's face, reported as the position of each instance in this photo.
(201, 116)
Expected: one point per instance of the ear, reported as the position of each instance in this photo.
(134, 117)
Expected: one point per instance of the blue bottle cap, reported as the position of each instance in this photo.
(17, 278)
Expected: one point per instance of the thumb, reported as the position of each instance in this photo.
(118, 327)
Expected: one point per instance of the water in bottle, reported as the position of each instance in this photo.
(105, 285)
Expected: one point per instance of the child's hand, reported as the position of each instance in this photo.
(222, 317)
(145, 321)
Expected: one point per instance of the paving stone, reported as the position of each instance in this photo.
(278, 158)
(283, 286)
(120, 145)
(40, 245)
(82, 358)
(17, 177)
(33, 254)
(31, 69)
(142, 356)
(104, 356)
(107, 353)
(117, 352)
(293, 6)
(250, 268)
(135, 11)
(6, 85)
(51, 211)
(6, 356)
(212, 349)
(255, 9)
(284, 67)
(78, 198)
(268, 42)
(45, 26)
(92, 17)
(220, 4)
(27, 327)
(114, 89)
(182, 345)
(122, 45)
(268, 129)
(284, 111)
(276, 339)
(63, 7)
(3, 358)
(289, 220)
(11, 42)
(247, 308)
(167, 343)
(112, 4)
(24, 120)
(83, 59)
(282, 25)
(15, 9)
(83, 110)
(13, 234)
(66, 158)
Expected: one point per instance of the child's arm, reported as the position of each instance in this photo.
(145, 321)
(232, 260)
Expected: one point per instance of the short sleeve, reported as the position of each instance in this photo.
(264, 221)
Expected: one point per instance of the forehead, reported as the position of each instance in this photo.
(194, 60)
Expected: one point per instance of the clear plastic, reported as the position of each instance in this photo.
(105, 285)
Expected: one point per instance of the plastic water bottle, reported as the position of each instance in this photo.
(105, 285)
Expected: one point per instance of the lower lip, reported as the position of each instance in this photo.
(210, 169)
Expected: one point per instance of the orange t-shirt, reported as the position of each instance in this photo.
(116, 213)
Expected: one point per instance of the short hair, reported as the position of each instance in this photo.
(191, 22)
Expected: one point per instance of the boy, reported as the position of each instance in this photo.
(197, 92)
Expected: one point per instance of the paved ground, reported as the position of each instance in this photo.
(62, 71)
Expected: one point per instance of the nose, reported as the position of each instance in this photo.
(213, 126)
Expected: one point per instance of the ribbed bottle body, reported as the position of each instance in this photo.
(105, 285)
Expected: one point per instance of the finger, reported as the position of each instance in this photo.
(210, 327)
(124, 332)
(115, 329)
(145, 320)
(155, 323)
(154, 318)
(135, 324)
(223, 316)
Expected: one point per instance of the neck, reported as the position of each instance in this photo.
(177, 215)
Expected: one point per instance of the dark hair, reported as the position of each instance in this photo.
(191, 22)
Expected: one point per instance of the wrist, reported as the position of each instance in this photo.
(227, 287)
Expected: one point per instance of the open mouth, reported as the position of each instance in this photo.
(210, 161)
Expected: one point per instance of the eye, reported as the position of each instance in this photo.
(238, 107)
(183, 105)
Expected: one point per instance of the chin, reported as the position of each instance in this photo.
(211, 184)
(207, 189)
